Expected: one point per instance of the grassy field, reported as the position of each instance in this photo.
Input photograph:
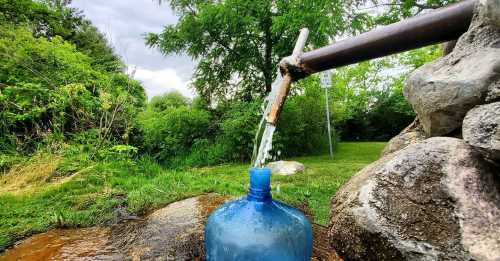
(34, 198)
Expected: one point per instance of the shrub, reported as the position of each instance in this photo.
(169, 100)
(47, 87)
(370, 122)
(172, 132)
(205, 152)
(238, 125)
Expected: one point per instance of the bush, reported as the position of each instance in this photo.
(183, 136)
(48, 87)
(370, 123)
(168, 100)
(171, 133)
(205, 152)
(9, 160)
(238, 125)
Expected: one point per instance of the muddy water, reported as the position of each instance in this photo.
(58, 244)
(171, 233)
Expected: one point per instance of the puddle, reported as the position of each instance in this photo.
(64, 244)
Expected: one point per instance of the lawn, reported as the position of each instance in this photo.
(92, 193)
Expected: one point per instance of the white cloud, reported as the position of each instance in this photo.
(161, 81)
(125, 22)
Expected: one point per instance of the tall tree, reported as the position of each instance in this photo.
(238, 43)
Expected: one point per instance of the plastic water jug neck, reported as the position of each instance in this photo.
(260, 185)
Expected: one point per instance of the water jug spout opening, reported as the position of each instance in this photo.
(260, 184)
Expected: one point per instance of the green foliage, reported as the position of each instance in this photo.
(49, 19)
(196, 136)
(91, 42)
(47, 87)
(168, 100)
(371, 13)
(418, 57)
(8, 160)
(244, 39)
(172, 132)
(238, 125)
(401, 9)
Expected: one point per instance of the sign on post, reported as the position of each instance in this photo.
(325, 79)
(326, 83)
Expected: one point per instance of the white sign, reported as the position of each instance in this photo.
(326, 79)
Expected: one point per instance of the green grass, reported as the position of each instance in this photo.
(90, 197)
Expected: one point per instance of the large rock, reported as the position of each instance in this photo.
(286, 168)
(435, 200)
(441, 92)
(411, 135)
(481, 129)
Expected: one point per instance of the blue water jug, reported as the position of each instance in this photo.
(256, 227)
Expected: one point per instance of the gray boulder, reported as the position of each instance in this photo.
(435, 200)
(286, 168)
(441, 92)
(411, 135)
(492, 11)
(481, 129)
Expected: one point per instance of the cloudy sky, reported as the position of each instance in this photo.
(124, 22)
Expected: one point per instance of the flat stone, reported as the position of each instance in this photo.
(171, 233)
(286, 168)
(434, 200)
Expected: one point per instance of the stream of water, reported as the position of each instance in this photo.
(263, 142)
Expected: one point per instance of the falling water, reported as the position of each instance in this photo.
(266, 144)
(265, 130)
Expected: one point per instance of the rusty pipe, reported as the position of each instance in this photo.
(440, 25)
(284, 88)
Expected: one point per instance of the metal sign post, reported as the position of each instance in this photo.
(326, 83)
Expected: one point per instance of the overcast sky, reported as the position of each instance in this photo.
(124, 22)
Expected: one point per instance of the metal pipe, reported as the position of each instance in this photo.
(438, 26)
